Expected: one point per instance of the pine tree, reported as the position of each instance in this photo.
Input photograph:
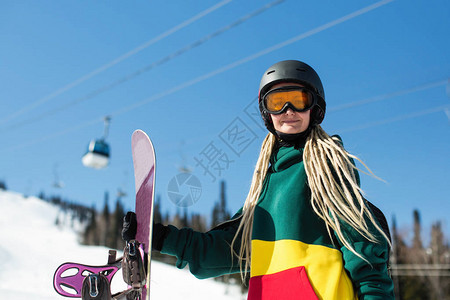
(41, 195)
(157, 215)
(417, 241)
(115, 236)
(398, 246)
(412, 284)
(220, 213)
(105, 221)
(198, 223)
(91, 233)
(437, 252)
(185, 219)
(177, 220)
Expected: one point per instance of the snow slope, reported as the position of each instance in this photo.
(32, 247)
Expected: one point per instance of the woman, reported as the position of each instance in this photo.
(305, 231)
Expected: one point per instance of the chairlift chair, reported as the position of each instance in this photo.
(98, 151)
(97, 155)
(57, 182)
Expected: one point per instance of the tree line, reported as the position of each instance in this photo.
(420, 271)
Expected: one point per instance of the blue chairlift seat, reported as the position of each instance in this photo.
(97, 155)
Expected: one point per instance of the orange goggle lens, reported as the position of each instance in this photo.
(300, 99)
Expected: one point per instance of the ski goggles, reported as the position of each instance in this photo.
(297, 98)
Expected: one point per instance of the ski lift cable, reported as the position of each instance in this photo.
(57, 134)
(112, 63)
(144, 69)
(447, 88)
(441, 108)
(216, 72)
(447, 113)
(378, 98)
(107, 121)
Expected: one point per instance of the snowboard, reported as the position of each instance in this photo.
(69, 277)
(144, 180)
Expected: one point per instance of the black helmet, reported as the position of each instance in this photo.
(298, 72)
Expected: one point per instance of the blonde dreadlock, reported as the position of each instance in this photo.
(335, 194)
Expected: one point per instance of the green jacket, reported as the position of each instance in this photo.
(292, 255)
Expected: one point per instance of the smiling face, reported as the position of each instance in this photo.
(290, 121)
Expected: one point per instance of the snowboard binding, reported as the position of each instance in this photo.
(94, 282)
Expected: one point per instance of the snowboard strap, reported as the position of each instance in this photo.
(133, 266)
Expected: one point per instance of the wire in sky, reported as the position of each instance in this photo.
(447, 89)
(144, 69)
(442, 108)
(387, 96)
(112, 63)
(57, 134)
(216, 72)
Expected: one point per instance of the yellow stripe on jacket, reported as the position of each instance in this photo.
(323, 265)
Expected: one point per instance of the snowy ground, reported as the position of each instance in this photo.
(32, 247)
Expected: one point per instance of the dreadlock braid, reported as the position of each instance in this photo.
(246, 225)
(335, 194)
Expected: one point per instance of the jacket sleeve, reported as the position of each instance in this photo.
(208, 254)
(369, 273)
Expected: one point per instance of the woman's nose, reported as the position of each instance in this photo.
(289, 111)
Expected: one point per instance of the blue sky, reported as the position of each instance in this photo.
(187, 72)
